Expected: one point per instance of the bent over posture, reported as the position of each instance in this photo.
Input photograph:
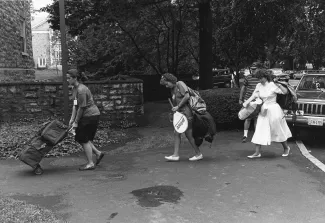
(84, 118)
(180, 96)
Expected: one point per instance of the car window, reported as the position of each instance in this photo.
(312, 82)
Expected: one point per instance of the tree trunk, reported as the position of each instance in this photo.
(205, 35)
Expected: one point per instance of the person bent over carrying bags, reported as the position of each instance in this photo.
(180, 97)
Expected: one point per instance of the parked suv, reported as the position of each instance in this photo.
(311, 101)
(221, 78)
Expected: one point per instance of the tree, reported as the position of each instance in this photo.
(157, 31)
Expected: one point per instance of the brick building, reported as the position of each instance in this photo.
(46, 48)
(16, 54)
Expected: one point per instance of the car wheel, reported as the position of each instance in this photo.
(38, 170)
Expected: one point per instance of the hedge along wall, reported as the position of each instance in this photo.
(117, 99)
(222, 104)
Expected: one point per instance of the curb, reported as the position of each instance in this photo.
(311, 158)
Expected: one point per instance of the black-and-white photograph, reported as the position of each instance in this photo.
(162, 111)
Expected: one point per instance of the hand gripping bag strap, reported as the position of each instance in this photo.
(289, 100)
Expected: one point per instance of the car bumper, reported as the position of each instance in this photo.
(307, 121)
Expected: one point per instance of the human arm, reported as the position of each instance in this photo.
(254, 96)
(79, 114)
(279, 88)
(183, 101)
(242, 93)
(282, 88)
(184, 92)
(73, 115)
(80, 106)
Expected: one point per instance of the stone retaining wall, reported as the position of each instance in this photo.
(16, 54)
(117, 100)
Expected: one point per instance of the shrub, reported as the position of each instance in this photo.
(222, 104)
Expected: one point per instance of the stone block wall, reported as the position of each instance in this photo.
(12, 59)
(117, 100)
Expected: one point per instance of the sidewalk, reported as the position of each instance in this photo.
(224, 187)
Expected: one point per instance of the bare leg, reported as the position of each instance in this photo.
(286, 148)
(247, 124)
(89, 153)
(246, 127)
(190, 138)
(177, 143)
(94, 149)
(257, 149)
(257, 152)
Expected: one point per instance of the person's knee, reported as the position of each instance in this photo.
(85, 144)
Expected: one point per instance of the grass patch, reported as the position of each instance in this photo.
(12, 211)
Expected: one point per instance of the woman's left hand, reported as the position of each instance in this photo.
(74, 125)
(175, 108)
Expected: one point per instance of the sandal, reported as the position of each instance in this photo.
(86, 167)
(99, 158)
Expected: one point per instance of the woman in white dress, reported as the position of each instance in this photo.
(271, 125)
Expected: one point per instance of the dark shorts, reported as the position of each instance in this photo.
(86, 130)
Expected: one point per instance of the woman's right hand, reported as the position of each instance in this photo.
(245, 104)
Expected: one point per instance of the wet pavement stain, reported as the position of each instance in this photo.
(156, 196)
(113, 215)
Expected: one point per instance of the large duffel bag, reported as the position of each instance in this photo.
(54, 132)
(34, 152)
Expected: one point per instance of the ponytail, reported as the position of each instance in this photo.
(75, 74)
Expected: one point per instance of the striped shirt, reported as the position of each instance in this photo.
(250, 83)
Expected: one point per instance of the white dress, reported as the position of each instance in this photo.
(271, 125)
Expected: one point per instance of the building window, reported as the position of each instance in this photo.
(23, 41)
(57, 54)
(41, 62)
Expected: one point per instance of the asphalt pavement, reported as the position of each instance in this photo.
(134, 183)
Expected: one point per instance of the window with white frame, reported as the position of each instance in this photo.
(41, 62)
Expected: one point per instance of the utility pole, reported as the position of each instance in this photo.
(205, 36)
(64, 52)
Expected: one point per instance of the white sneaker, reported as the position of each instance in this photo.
(172, 158)
(196, 158)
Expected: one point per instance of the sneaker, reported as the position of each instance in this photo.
(244, 139)
(196, 158)
(172, 158)
(254, 156)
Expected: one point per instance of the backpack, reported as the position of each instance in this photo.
(196, 102)
(288, 101)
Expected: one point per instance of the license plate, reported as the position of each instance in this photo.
(315, 121)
